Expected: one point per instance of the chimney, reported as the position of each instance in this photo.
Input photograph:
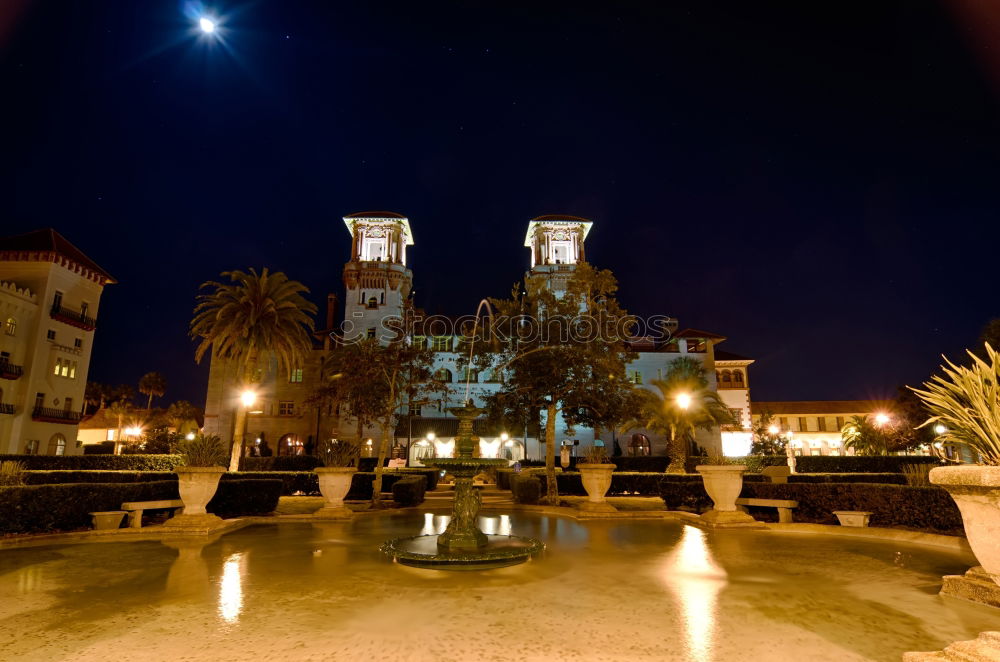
(331, 315)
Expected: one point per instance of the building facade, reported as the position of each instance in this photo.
(49, 298)
(815, 427)
(377, 284)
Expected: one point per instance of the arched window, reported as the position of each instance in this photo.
(290, 444)
(10, 328)
(639, 445)
(57, 444)
(727, 377)
(738, 377)
(443, 375)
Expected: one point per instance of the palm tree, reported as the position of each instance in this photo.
(152, 383)
(95, 395)
(681, 403)
(253, 317)
(865, 437)
(120, 410)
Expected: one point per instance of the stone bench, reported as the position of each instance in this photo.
(777, 474)
(135, 509)
(784, 507)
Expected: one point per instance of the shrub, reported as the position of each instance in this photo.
(97, 462)
(684, 492)
(43, 508)
(888, 479)
(241, 497)
(409, 490)
(281, 463)
(927, 508)
(648, 463)
(291, 481)
(338, 453)
(754, 463)
(203, 451)
(361, 486)
(11, 473)
(525, 488)
(892, 464)
(368, 463)
(62, 476)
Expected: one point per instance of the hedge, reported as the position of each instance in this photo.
(241, 497)
(526, 488)
(927, 508)
(859, 463)
(63, 476)
(42, 508)
(280, 463)
(409, 490)
(96, 462)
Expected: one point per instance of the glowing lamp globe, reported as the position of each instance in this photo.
(207, 25)
(683, 400)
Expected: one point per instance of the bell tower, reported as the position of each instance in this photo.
(376, 279)
(556, 243)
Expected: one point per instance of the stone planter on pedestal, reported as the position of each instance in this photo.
(976, 491)
(197, 486)
(596, 480)
(108, 519)
(723, 483)
(334, 484)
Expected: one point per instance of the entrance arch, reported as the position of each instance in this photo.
(290, 444)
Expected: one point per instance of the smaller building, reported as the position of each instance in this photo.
(815, 427)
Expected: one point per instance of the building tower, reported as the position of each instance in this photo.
(49, 297)
(556, 243)
(376, 279)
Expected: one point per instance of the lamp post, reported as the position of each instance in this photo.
(247, 399)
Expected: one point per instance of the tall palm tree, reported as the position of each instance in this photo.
(251, 318)
(152, 383)
(681, 403)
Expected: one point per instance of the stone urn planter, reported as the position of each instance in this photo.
(108, 519)
(334, 484)
(723, 482)
(856, 518)
(596, 480)
(976, 491)
(197, 486)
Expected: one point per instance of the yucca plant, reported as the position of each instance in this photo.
(966, 401)
(339, 453)
(11, 474)
(203, 451)
(597, 455)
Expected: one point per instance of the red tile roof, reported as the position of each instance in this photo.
(49, 241)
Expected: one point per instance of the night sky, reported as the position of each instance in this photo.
(818, 181)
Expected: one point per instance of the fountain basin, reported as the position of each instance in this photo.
(499, 551)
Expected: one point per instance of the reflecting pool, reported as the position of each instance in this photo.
(604, 590)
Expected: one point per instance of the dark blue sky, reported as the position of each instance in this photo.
(817, 181)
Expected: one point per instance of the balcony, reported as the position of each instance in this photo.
(10, 371)
(47, 415)
(73, 318)
(6, 408)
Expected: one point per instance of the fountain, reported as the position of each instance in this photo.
(463, 545)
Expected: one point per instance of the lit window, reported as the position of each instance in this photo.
(64, 372)
(296, 377)
(111, 434)
(286, 408)
(636, 377)
(441, 343)
(72, 370)
(10, 328)
(58, 366)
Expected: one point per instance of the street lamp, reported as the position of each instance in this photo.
(881, 418)
(940, 429)
(189, 436)
(773, 429)
(683, 400)
(248, 397)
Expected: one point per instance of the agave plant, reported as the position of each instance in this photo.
(11, 474)
(966, 402)
(339, 453)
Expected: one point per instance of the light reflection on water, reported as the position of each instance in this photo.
(231, 588)
(691, 573)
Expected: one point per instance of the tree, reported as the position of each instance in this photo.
(558, 351)
(375, 381)
(908, 415)
(681, 403)
(152, 383)
(184, 416)
(865, 436)
(120, 410)
(766, 437)
(250, 319)
(95, 395)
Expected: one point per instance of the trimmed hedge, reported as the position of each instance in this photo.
(43, 508)
(96, 462)
(526, 488)
(927, 508)
(62, 476)
(409, 490)
(291, 481)
(241, 497)
(280, 463)
(892, 464)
